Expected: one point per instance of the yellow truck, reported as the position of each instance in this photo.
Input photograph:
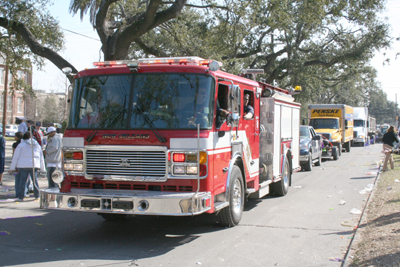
(335, 123)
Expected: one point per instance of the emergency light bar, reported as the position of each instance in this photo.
(113, 63)
(214, 65)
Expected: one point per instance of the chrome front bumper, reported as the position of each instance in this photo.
(126, 201)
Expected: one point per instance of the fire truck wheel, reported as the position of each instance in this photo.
(281, 187)
(113, 217)
(231, 215)
(308, 166)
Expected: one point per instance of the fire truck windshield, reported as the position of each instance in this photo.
(324, 123)
(143, 101)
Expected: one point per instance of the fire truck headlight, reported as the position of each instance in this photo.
(179, 169)
(57, 176)
(68, 166)
(191, 170)
(78, 167)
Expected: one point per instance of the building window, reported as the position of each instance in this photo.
(9, 78)
(19, 74)
(19, 105)
(9, 103)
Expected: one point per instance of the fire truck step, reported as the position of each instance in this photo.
(262, 191)
(220, 205)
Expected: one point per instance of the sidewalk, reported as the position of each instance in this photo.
(7, 190)
(377, 240)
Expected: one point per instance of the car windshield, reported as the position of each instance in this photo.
(359, 123)
(304, 132)
(143, 101)
(324, 123)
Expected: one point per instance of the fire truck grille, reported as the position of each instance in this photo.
(126, 165)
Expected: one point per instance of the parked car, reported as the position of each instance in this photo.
(310, 148)
(11, 129)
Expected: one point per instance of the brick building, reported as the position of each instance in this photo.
(16, 105)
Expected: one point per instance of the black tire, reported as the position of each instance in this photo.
(335, 153)
(347, 146)
(113, 217)
(281, 187)
(318, 163)
(308, 166)
(231, 215)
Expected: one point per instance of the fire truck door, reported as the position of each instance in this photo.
(224, 138)
(251, 126)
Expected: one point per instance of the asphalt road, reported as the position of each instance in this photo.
(308, 227)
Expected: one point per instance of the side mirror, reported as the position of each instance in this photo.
(234, 119)
(317, 137)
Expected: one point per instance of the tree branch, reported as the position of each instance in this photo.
(145, 24)
(150, 50)
(35, 46)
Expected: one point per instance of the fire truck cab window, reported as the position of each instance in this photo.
(101, 102)
(222, 104)
(172, 101)
(248, 110)
(163, 101)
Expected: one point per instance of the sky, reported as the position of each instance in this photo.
(82, 51)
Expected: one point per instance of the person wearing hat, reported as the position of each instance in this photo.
(23, 127)
(248, 109)
(53, 154)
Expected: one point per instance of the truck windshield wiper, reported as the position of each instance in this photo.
(96, 130)
(153, 128)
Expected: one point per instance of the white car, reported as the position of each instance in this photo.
(11, 129)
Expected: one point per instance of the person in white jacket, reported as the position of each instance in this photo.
(24, 161)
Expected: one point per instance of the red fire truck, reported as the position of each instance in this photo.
(168, 136)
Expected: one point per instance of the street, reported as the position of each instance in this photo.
(311, 226)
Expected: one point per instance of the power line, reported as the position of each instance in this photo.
(81, 34)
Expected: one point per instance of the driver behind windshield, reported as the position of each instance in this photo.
(199, 111)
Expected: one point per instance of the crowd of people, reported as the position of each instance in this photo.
(32, 153)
